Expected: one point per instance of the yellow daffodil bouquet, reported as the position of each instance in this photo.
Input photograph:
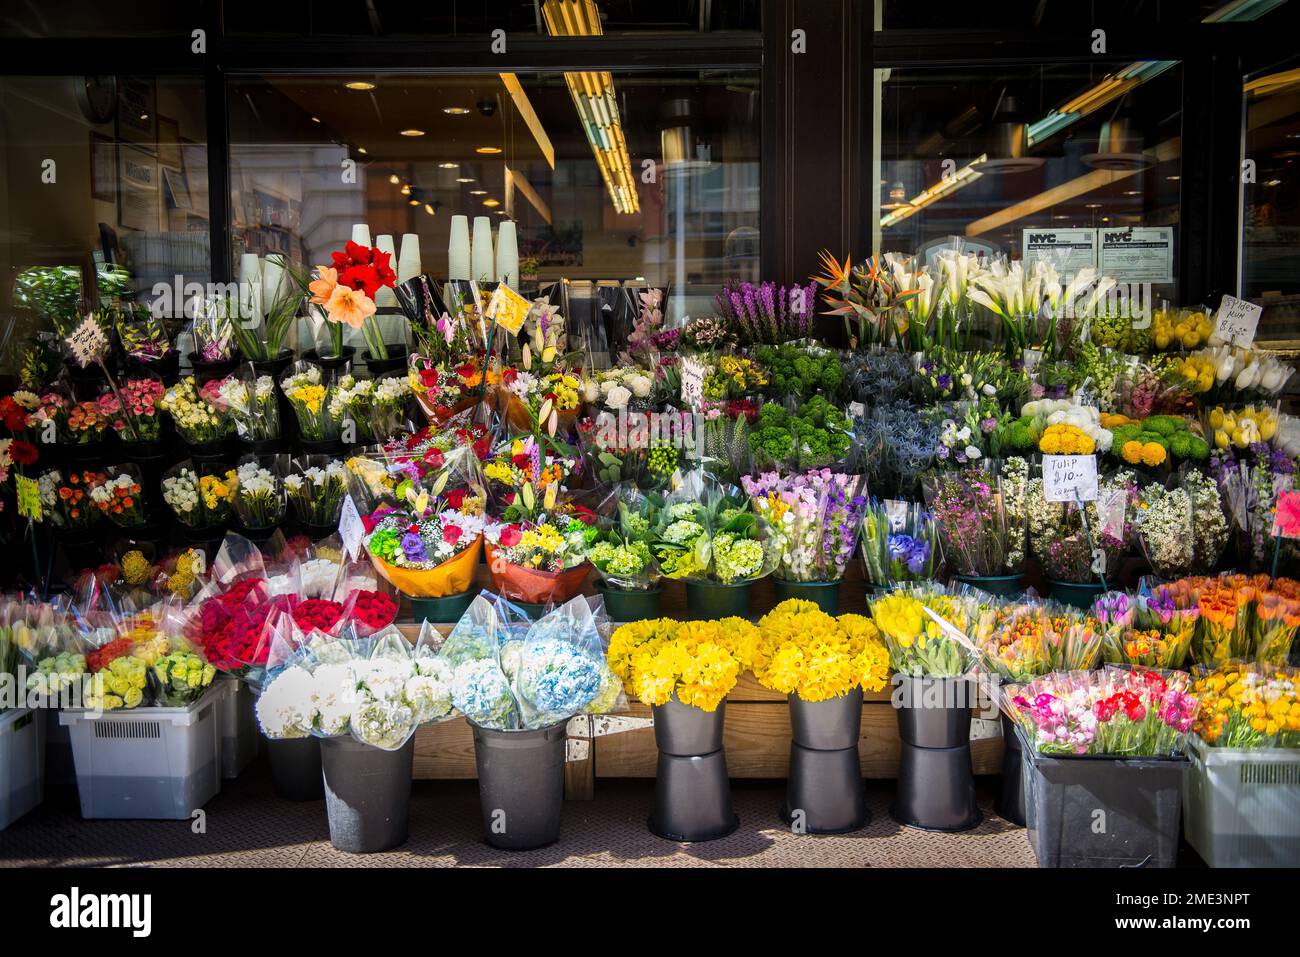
(699, 662)
(816, 656)
(918, 643)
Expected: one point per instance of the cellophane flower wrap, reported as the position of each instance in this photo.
(198, 413)
(259, 490)
(426, 523)
(1023, 640)
(480, 688)
(559, 669)
(143, 336)
(213, 329)
(981, 537)
(816, 656)
(120, 497)
(540, 561)
(900, 543)
(180, 678)
(709, 533)
(310, 391)
(1116, 712)
(388, 413)
(919, 645)
(66, 497)
(1181, 529)
(1247, 705)
(817, 516)
(133, 409)
(1250, 617)
(1147, 629)
(316, 486)
(1063, 536)
(621, 552)
(198, 496)
(695, 662)
(253, 402)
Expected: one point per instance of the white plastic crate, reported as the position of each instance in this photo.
(240, 737)
(148, 763)
(1241, 807)
(22, 763)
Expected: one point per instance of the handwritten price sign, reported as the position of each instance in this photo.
(1237, 321)
(1070, 478)
(693, 373)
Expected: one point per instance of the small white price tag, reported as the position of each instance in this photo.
(1031, 359)
(1070, 478)
(351, 530)
(857, 410)
(693, 373)
(1237, 321)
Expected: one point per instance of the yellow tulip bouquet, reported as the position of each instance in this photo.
(698, 661)
(918, 644)
(816, 656)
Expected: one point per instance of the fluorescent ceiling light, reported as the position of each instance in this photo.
(455, 110)
(488, 150)
(524, 107)
(1111, 88)
(945, 187)
(412, 132)
(1240, 10)
(597, 106)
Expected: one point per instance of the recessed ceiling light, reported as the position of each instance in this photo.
(1105, 219)
(406, 190)
(413, 202)
(639, 279)
(1173, 179)
(455, 110)
(361, 150)
(488, 150)
(1132, 192)
(412, 132)
(394, 179)
(144, 116)
(491, 202)
(478, 192)
(360, 85)
(448, 165)
(1273, 182)
(464, 179)
(1093, 206)
(315, 119)
(428, 209)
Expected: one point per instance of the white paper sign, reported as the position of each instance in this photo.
(896, 511)
(351, 529)
(1070, 478)
(693, 373)
(857, 410)
(1068, 250)
(1138, 254)
(1237, 321)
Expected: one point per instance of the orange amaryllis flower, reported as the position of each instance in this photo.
(323, 286)
(350, 307)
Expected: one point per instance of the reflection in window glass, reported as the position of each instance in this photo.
(105, 195)
(1037, 15)
(658, 182)
(1077, 165)
(1270, 257)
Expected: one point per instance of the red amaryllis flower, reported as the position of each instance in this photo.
(23, 453)
(510, 536)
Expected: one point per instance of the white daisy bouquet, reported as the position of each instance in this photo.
(315, 486)
(259, 498)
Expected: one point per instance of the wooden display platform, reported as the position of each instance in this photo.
(757, 725)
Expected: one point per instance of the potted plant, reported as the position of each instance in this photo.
(518, 682)
(1241, 795)
(1023, 641)
(201, 419)
(709, 538)
(824, 664)
(929, 651)
(817, 516)
(364, 699)
(981, 523)
(684, 671)
(900, 544)
(201, 500)
(425, 531)
(1111, 740)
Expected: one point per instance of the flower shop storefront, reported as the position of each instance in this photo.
(549, 395)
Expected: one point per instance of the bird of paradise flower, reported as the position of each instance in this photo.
(867, 298)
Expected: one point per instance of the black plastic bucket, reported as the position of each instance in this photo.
(521, 785)
(296, 768)
(367, 794)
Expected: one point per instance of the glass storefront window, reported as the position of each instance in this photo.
(671, 198)
(1079, 165)
(1270, 252)
(1037, 15)
(105, 195)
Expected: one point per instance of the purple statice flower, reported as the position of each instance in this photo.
(413, 547)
